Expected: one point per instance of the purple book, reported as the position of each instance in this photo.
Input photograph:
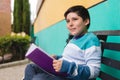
(42, 59)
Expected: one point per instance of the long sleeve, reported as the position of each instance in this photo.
(74, 71)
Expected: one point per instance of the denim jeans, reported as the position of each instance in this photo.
(33, 72)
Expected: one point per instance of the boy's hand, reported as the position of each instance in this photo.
(57, 65)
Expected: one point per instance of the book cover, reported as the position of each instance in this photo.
(42, 59)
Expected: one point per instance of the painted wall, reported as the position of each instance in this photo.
(50, 26)
(5, 17)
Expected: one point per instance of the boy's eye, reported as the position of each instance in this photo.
(72, 19)
(75, 19)
(67, 21)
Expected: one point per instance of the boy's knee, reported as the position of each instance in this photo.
(30, 65)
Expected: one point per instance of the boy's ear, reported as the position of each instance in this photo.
(87, 21)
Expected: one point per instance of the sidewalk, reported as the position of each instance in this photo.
(13, 70)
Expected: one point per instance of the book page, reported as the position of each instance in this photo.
(31, 48)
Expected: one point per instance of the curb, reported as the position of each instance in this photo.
(15, 63)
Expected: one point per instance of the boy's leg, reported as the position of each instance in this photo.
(46, 76)
(31, 70)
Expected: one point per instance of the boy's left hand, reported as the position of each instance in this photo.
(57, 65)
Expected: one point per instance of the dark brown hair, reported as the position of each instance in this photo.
(81, 11)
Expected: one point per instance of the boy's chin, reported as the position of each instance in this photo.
(73, 34)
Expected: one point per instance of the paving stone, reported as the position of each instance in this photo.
(13, 71)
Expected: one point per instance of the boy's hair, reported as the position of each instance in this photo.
(81, 11)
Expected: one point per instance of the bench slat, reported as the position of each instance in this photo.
(105, 76)
(111, 62)
(109, 32)
(111, 46)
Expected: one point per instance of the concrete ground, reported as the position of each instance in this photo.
(13, 70)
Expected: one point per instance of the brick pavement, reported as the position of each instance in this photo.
(13, 70)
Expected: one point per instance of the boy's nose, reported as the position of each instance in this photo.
(71, 23)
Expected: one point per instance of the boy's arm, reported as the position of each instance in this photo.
(75, 71)
(86, 71)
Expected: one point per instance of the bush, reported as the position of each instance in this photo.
(17, 44)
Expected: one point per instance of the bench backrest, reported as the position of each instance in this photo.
(110, 67)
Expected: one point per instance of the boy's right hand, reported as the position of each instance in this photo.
(57, 65)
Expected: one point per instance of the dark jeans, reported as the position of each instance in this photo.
(33, 72)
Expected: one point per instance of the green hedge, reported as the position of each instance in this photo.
(17, 44)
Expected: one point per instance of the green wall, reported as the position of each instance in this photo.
(53, 39)
(105, 16)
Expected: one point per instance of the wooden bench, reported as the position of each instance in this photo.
(110, 64)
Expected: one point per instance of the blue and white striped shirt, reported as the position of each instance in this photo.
(82, 57)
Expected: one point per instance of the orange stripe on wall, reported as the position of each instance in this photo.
(53, 11)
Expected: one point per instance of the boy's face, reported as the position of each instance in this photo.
(75, 24)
